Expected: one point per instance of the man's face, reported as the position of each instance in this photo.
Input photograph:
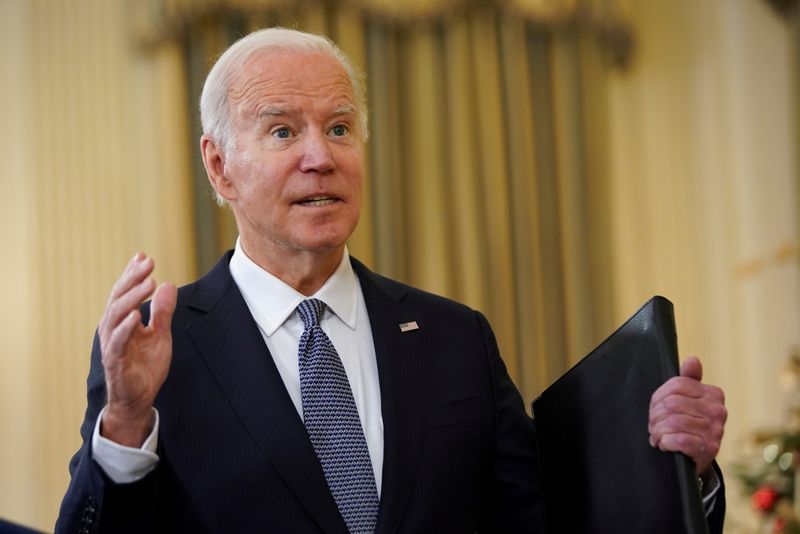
(295, 166)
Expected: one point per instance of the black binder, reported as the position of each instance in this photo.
(600, 474)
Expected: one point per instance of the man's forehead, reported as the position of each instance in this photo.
(291, 72)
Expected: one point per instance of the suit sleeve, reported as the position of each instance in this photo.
(93, 503)
(715, 512)
(516, 495)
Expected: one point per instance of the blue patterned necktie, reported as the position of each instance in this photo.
(331, 419)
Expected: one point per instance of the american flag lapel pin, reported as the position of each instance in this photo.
(407, 327)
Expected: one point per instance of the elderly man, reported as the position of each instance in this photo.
(291, 389)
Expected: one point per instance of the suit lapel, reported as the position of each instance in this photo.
(232, 347)
(401, 368)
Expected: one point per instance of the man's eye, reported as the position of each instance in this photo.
(282, 133)
(339, 130)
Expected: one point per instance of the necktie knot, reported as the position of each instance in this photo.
(310, 311)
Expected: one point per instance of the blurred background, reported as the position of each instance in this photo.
(553, 163)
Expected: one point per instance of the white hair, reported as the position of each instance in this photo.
(215, 111)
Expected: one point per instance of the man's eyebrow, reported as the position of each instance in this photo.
(276, 111)
(273, 111)
(348, 109)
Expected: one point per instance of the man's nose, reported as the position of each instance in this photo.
(317, 155)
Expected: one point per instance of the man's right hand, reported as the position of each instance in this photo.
(136, 358)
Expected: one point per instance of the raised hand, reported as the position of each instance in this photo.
(688, 416)
(135, 357)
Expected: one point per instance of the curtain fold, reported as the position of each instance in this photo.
(484, 167)
(526, 228)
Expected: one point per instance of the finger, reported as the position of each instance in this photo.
(717, 409)
(163, 306)
(690, 445)
(710, 405)
(119, 308)
(710, 436)
(692, 368)
(680, 422)
(139, 268)
(677, 385)
(676, 404)
(120, 336)
(702, 418)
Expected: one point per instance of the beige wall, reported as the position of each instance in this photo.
(94, 171)
(16, 360)
(705, 179)
(705, 191)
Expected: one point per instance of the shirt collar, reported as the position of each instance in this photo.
(272, 301)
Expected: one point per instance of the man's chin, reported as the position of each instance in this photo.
(325, 239)
(322, 245)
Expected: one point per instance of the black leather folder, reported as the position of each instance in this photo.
(599, 472)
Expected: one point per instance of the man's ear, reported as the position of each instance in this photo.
(214, 162)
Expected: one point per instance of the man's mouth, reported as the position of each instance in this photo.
(317, 201)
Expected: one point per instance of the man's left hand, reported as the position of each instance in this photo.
(688, 416)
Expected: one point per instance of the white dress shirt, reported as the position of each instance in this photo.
(273, 303)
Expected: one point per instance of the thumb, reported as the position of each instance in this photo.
(692, 368)
(162, 306)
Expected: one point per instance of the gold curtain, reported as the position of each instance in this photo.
(486, 171)
(480, 176)
(96, 143)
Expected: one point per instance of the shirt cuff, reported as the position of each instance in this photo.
(123, 464)
(709, 493)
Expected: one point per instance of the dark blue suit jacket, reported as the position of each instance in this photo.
(459, 453)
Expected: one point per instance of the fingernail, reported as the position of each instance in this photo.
(652, 442)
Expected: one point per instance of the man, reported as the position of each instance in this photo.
(291, 389)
